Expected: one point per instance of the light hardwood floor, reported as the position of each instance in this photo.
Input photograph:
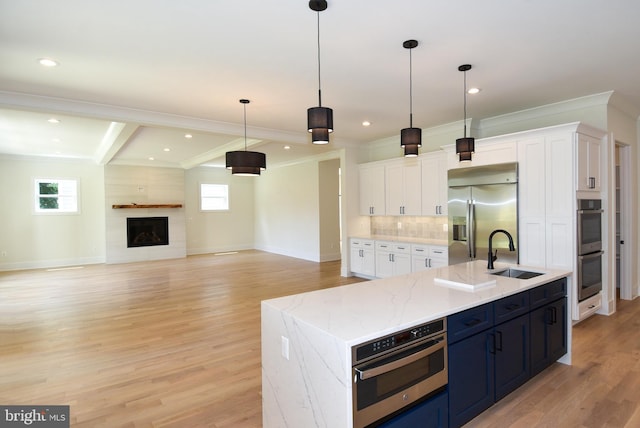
(177, 344)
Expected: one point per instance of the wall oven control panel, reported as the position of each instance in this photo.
(390, 342)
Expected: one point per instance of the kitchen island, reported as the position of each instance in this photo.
(307, 338)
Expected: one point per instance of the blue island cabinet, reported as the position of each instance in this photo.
(431, 413)
(495, 348)
(485, 366)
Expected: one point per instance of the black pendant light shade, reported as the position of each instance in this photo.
(319, 119)
(467, 145)
(244, 162)
(410, 138)
(320, 136)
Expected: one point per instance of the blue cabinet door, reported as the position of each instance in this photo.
(548, 335)
(512, 358)
(432, 413)
(471, 378)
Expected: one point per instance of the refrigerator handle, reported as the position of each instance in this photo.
(468, 232)
(472, 229)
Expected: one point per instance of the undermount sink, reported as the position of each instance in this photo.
(517, 273)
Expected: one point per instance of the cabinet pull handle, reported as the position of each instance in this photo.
(512, 307)
(472, 322)
(554, 315)
(499, 341)
(548, 316)
(492, 343)
(429, 262)
(426, 263)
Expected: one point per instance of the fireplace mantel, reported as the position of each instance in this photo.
(147, 206)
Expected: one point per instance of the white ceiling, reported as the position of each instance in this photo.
(159, 69)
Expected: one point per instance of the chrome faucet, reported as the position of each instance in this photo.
(492, 258)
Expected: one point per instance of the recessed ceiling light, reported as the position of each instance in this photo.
(366, 123)
(151, 158)
(473, 91)
(56, 140)
(287, 147)
(167, 149)
(53, 120)
(47, 62)
(188, 136)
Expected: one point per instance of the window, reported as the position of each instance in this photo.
(214, 197)
(56, 196)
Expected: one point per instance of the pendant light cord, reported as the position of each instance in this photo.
(319, 84)
(410, 90)
(244, 105)
(465, 103)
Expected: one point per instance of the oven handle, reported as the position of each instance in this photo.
(376, 371)
(590, 256)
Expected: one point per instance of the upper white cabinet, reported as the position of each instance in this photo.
(589, 173)
(434, 183)
(402, 187)
(372, 185)
(489, 151)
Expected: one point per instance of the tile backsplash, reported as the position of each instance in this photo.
(411, 227)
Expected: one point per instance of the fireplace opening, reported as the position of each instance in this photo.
(147, 231)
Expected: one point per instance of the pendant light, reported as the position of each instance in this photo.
(410, 138)
(319, 119)
(465, 146)
(244, 162)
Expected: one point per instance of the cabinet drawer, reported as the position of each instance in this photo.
(439, 253)
(393, 247)
(466, 323)
(511, 307)
(361, 243)
(548, 293)
(421, 250)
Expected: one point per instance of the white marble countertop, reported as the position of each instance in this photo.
(359, 312)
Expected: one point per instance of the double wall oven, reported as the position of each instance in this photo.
(589, 233)
(395, 371)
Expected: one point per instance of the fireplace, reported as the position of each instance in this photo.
(147, 231)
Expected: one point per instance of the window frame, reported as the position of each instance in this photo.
(225, 197)
(71, 207)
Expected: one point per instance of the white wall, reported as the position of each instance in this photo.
(29, 240)
(211, 232)
(287, 211)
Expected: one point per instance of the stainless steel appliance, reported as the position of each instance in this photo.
(394, 371)
(589, 234)
(481, 200)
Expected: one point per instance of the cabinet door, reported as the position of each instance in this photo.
(431, 413)
(401, 263)
(588, 160)
(434, 184)
(384, 265)
(512, 360)
(471, 378)
(548, 335)
(403, 191)
(372, 186)
(368, 266)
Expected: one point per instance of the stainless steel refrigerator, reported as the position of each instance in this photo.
(481, 200)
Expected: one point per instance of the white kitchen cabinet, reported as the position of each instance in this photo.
(362, 259)
(489, 151)
(546, 200)
(425, 257)
(392, 259)
(434, 183)
(372, 184)
(402, 187)
(589, 173)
